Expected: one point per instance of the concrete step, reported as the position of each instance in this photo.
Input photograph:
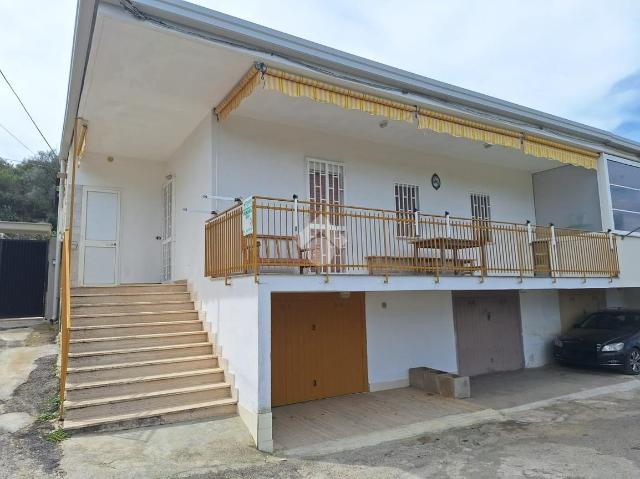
(108, 372)
(107, 331)
(119, 355)
(143, 384)
(155, 306)
(129, 318)
(166, 415)
(127, 298)
(138, 403)
(138, 341)
(132, 288)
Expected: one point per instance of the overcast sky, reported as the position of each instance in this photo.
(579, 59)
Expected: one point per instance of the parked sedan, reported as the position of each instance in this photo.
(608, 338)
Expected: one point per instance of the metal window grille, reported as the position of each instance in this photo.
(480, 207)
(326, 192)
(407, 201)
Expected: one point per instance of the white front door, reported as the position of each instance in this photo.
(100, 236)
(167, 230)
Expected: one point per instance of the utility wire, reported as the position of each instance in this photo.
(16, 138)
(27, 112)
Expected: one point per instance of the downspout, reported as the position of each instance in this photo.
(56, 275)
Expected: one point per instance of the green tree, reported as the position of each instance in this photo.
(28, 189)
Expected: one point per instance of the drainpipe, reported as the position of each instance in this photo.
(56, 275)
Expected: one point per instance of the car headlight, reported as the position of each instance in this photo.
(612, 347)
(558, 343)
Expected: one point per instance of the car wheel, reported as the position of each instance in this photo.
(632, 364)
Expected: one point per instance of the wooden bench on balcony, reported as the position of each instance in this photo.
(377, 265)
(278, 250)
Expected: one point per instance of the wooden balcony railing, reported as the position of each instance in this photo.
(285, 236)
(65, 315)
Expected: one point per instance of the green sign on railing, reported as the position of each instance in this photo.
(247, 216)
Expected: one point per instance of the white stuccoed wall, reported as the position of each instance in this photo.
(232, 312)
(191, 168)
(139, 183)
(415, 329)
(263, 158)
(541, 323)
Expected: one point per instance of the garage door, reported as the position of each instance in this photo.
(488, 332)
(318, 346)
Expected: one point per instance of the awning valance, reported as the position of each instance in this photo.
(294, 85)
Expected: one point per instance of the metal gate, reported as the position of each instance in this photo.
(23, 277)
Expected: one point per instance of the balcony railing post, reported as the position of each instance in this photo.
(254, 238)
(327, 243)
(447, 221)
(553, 259)
(386, 248)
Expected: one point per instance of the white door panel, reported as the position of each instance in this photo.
(99, 265)
(102, 216)
(100, 236)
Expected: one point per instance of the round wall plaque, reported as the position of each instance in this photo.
(435, 181)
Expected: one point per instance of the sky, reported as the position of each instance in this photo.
(578, 59)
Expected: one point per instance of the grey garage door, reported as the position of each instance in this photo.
(488, 332)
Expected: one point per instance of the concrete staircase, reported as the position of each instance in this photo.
(139, 355)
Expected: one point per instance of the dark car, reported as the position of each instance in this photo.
(608, 338)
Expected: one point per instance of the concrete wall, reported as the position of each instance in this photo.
(405, 330)
(191, 169)
(51, 269)
(232, 314)
(257, 157)
(540, 314)
(139, 183)
(576, 304)
(567, 197)
(629, 257)
(623, 298)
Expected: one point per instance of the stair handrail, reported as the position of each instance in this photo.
(65, 316)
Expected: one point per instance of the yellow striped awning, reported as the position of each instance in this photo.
(297, 86)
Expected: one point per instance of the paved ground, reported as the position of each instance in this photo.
(27, 365)
(589, 438)
(593, 433)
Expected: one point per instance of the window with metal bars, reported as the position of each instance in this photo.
(481, 217)
(407, 201)
(480, 207)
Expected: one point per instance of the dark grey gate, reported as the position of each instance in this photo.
(23, 277)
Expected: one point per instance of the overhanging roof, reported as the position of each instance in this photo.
(214, 26)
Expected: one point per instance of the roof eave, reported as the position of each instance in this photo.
(205, 21)
(85, 19)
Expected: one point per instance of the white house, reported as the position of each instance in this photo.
(338, 221)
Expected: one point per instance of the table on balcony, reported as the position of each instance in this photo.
(454, 245)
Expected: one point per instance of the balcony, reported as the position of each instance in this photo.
(271, 235)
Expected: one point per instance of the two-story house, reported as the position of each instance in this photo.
(337, 221)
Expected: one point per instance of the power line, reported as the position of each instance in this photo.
(26, 111)
(16, 138)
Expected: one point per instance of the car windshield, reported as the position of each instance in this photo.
(612, 320)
